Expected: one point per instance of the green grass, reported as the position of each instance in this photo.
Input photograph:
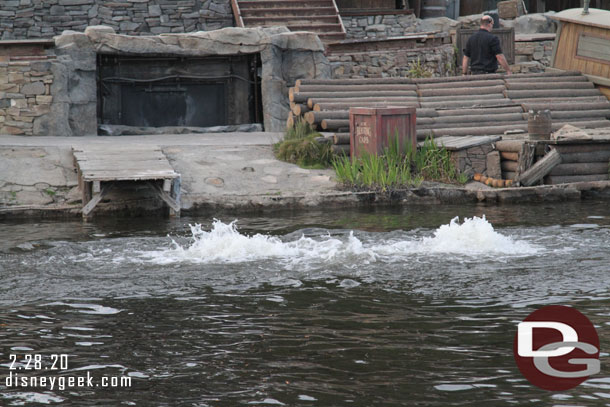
(300, 147)
(398, 168)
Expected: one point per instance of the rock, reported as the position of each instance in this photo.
(154, 10)
(443, 24)
(82, 119)
(376, 28)
(33, 198)
(471, 21)
(534, 23)
(303, 41)
(128, 26)
(72, 39)
(34, 88)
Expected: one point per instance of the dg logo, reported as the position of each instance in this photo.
(556, 348)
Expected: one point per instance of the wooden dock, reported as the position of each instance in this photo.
(100, 168)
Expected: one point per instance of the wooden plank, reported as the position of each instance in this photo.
(580, 168)
(88, 166)
(540, 169)
(555, 179)
(165, 197)
(88, 208)
(128, 176)
(527, 154)
(457, 143)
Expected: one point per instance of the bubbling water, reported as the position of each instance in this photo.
(225, 244)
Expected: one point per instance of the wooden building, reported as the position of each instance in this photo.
(583, 44)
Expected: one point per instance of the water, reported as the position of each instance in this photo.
(388, 307)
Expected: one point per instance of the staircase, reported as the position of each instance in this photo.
(318, 16)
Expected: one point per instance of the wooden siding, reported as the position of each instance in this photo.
(567, 46)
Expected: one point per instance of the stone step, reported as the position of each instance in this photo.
(287, 12)
(332, 37)
(274, 21)
(317, 28)
(246, 5)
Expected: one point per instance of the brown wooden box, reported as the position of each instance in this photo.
(510, 9)
(372, 128)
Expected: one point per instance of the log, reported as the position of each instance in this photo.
(341, 138)
(468, 104)
(302, 97)
(458, 98)
(509, 175)
(588, 157)
(585, 147)
(508, 156)
(575, 78)
(551, 93)
(580, 168)
(509, 146)
(452, 79)
(546, 74)
(566, 179)
(487, 111)
(465, 84)
(311, 102)
(359, 81)
(568, 106)
(526, 159)
(424, 123)
(317, 117)
(341, 149)
(581, 114)
(298, 109)
(354, 88)
(498, 90)
(290, 121)
(510, 166)
(319, 107)
(506, 117)
(323, 140)
(334, 124)
(471, 131)
(575, 100)
(548, 85)
(539, 170)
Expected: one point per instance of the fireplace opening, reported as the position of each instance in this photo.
(179, 91)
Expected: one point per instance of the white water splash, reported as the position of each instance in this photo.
(475, 236)
(224, 244)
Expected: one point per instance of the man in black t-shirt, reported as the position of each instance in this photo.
(483, 51)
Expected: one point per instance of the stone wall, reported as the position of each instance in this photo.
(375, 26)
(58, 97)
(20, 19)
(25, 95)
(532, 56)
(439, 61)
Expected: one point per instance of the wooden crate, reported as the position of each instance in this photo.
(372, 129)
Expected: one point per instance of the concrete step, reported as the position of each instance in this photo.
(247, 5)
(296, 12)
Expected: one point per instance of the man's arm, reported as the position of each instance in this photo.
(502, 60)
(465, 62)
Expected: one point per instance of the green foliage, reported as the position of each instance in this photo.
(300, 147)
(418, 70)
(50, 192)
(398, 167)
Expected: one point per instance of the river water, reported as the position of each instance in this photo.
(380, 307)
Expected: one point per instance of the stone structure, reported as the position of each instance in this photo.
(59, 97)
(439, 61)
(20, 19)
(532, 56)
(25, 95)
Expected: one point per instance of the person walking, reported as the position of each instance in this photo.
(483, 51)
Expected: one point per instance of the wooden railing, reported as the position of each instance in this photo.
(239, 22)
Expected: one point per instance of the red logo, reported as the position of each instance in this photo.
(556, 348)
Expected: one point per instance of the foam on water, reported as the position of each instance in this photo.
(225, 244)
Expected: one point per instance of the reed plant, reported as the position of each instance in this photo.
(398, 167)
(300, 147)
